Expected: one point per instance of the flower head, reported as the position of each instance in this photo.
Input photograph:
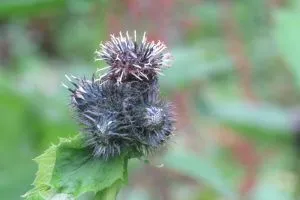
(118, 118)
(131, 59)
(128, 116)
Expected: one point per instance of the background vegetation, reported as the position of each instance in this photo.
(235, 82)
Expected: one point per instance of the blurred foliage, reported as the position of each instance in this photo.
(287, 35)
(234, 80)
(29, 7)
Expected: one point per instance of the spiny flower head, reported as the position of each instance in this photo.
(131, 59)
(128, 116)
(119, 118)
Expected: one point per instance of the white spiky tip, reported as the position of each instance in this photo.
(131, 58)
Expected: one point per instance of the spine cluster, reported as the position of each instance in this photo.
(122, 111)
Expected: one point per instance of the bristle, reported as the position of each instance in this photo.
(137, 62)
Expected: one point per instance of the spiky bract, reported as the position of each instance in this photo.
(129, 59)
(118, 118)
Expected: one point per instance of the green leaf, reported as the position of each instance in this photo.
(70, 169)
(109, 193)
(46, 165)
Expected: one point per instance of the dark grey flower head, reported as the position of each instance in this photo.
(130, 59)
(128, 117)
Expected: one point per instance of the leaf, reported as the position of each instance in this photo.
(46, 165)
(69, 168)
(109, 193)
(200, 169)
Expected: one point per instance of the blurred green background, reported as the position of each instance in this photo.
(235, 83)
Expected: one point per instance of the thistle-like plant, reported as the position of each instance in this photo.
(121, 116)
